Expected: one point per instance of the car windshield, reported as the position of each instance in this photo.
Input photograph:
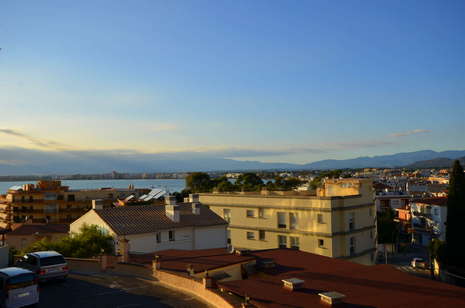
(52, 260)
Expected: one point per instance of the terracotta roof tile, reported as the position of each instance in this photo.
(201, 260)
(380, 286)
(126, 220)
(32, 228)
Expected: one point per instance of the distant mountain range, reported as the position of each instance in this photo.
(436, 163)
(20, 161)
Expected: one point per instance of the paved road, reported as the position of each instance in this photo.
(105, 291)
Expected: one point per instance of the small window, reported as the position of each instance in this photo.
(320, 218)
(171, 235)
(71, 198)
(261, 213)
(351, 221)
(321, 243)
(228, 235)
(261, 235)
(282, 241)
(158, 237)
(250, 213)
(250, 235)
(295, 243)
(282, 220)
(352, 246)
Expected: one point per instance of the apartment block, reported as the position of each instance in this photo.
(338, 221)
(51, 202)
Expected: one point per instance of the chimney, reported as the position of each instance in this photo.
(292, 284)
(194, 198)
(331, 298)
(171, 210)
(196, 208)
(97, 204)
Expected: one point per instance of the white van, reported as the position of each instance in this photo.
(18, 287)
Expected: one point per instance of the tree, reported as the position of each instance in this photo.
(249, 182)
(455, 250)
(90, 241)
(199, 182)
(387, 228)
(226, 186)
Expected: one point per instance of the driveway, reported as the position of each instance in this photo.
(109, 291)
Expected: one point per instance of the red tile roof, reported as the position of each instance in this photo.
(441, 201)
(380, 286)
(32, 228)
(201, 260)
(139, 219)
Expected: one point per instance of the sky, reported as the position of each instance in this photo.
(272, 81)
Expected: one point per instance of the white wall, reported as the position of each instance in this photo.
(210, 237)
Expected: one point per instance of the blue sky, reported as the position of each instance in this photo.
(287, 81)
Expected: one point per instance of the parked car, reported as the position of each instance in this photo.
(418, 263)
(18, 287)
(46, 264)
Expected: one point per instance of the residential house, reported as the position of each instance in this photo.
(150, 228)
(27, 233)
(429, 217)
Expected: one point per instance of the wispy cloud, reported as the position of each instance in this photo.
(48, 144)
(410, 132)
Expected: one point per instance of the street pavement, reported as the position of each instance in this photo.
(110, 291)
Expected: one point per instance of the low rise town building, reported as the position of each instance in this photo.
(142, 229)
(338, 221)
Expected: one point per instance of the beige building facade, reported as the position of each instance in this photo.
(49, 201)
(339, 221)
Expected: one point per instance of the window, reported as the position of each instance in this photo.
(281, 220)
(50, 208)
(48, 196)
(436, 211)
(352, 246)
(261, 213)
(158, 237)
(321, 243)
(52, 260)
(295, 243)
(71, 198)
(351, 221)
(370, 211)
(250, 213)
(228, 236)
(261, 235)
(292, 220)
(320, 218)
(250, 235)
(60, 197)
(282, 241)
(227, 215)
(171, 235)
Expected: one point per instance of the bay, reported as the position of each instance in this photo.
(171, 185)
